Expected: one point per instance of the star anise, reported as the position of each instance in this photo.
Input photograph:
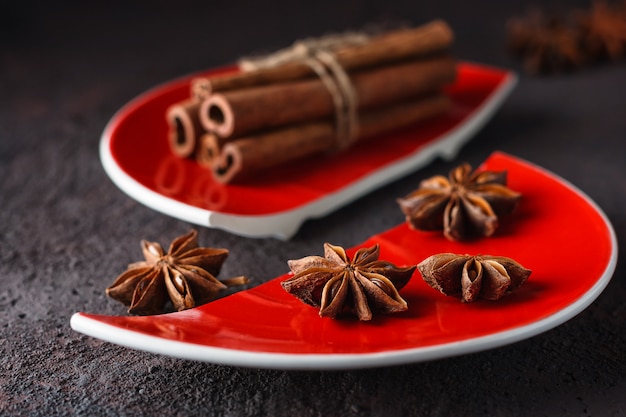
(546, 44)
(338, 285)
(604, 30)
(185, 275)
(466, 204)
(473, 277)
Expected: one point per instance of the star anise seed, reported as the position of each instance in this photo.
(546, 44)
(473, 277)
(604, 30)
(465, 205)
(185, 275)
(338, 285)
(563, 42)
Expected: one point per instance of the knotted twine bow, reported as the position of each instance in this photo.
(318, 54)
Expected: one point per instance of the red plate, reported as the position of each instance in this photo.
(571, 252)
(135, 154)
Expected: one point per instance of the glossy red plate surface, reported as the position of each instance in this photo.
(572, 254)
(136, 155)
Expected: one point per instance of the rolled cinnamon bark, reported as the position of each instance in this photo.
(209, 149)
(245, 156)
(184, 127)
(394, 46)
(240, 112)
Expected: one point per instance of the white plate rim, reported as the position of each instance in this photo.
(283, 225)
(290, 361)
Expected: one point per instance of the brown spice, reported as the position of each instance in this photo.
(338, 285)
(604, 30)
(242, 112)
(473, 277)
(546, 44)
(556, 43)
(185, 275)
(431, 38)
(465, 205)
(246, 157)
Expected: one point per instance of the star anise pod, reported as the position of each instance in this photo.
(546, 44)
(338, 285)
(473, 277)
(604, 30)
(185, 275)
(465, 205)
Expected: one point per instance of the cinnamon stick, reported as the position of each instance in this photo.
(209, 149)
(398, 45)
(243, 157)
(184, 127)
(240, 112)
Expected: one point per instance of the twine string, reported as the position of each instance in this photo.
(318, 54)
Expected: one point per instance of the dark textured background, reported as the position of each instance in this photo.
(66, 231)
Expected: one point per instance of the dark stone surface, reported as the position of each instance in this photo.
(66, 231)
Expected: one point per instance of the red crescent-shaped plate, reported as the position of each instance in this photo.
(571, 252)
(135, 154)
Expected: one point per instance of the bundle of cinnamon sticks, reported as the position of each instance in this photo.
(240, 123)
